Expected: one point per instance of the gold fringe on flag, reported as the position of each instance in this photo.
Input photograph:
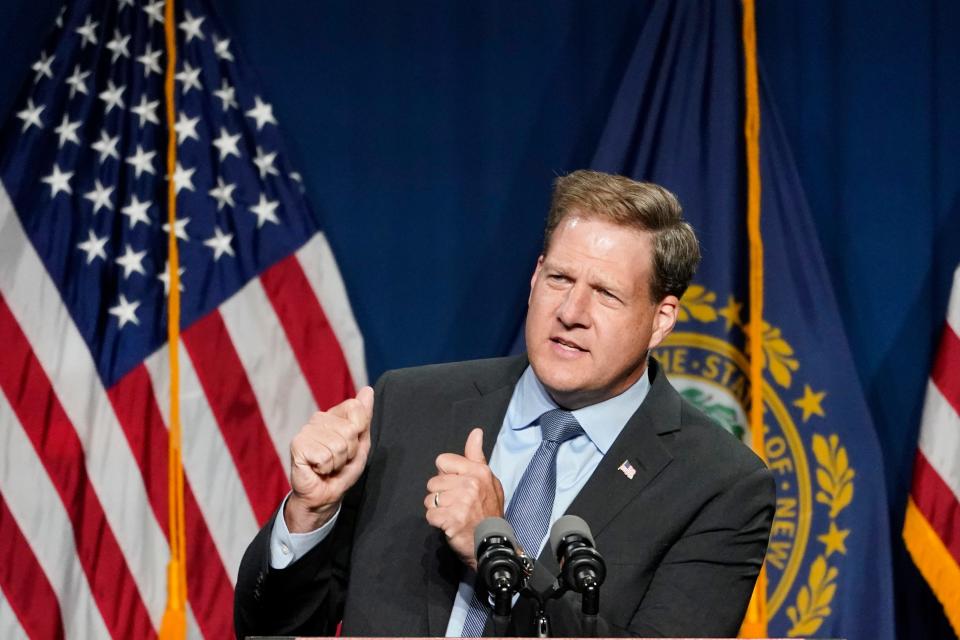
(934, 561)
(174, 623)
(755, 622)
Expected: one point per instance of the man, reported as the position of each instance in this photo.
(586, 424)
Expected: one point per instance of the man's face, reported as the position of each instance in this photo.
(591, 321)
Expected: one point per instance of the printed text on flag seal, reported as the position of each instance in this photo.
(705, 359)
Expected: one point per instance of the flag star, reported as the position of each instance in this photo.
(222, 48)
(125, 311)
(179, 228)
(154, 11)
(76, 81)
(183, 178)
(137, 211)
(165, 278)
(265, 210)
(125, 3)
(191, 27)
(142, 161)
(106, 146)
(118, 46)
(43, 66)
(31, 116)
(223, 193)
(227, 95)
(99, 196)
(132, 262)
(88, 32)
(112, 96)
(296, 177)
(147, 111)
(190, 78)
(227, 144)
(264, 162)
(94, 246)
(186, 128)
(58, 181)
(150, 61)
(68, 131)
(220, 243)
(262, 113)
(59, 20)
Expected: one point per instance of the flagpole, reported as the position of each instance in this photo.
(174, 623)
(755, 622)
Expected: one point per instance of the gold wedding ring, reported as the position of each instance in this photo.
(436, 499)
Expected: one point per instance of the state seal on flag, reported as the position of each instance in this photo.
(705, 359)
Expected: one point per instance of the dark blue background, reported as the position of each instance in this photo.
(428, 134)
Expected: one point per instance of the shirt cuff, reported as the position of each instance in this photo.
(286, 548)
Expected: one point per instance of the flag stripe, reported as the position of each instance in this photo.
(317, 262)
(9, 624)
(235, 407)
(36, 303)
(27, 387)
(946, 367)
(207, 462)
(308, 332)
(24, 583)
(208, 587)
(283, 396)
(35, 505)
(940, 438)
(937, 503)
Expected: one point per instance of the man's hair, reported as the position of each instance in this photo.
(641, 205)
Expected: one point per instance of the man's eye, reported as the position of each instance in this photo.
(558, 277)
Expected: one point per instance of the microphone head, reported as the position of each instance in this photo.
(566, 526)
(490, 527)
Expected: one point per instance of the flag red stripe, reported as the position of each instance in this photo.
(946, 367)
(309, 332)
(937, 503)
(25, 584)
(235, 407)
(208, 586)
(53, 436)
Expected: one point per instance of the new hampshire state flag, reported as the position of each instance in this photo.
(678, 120)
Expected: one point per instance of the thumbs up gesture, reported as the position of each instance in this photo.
(327, 457)
(463, 493)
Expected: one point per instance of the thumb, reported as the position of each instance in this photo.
(473, 450)
(365, 396)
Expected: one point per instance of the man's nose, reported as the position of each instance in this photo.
(575, 308)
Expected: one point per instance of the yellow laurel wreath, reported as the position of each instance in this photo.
(778, 355)
(834, 474)
(835, 479)
(697, 302)
(813, 599)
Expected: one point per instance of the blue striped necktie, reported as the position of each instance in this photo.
(532, 502)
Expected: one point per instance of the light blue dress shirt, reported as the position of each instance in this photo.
(517, 441)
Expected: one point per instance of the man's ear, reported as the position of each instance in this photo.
(664, 319)
(534, 277)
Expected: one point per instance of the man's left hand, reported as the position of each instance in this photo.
(463, 493)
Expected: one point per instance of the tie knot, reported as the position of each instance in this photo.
(559, 426)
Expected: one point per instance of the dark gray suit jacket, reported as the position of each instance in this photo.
(683, 539)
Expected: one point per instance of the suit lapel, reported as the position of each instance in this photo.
(609, 489)
(484, 405)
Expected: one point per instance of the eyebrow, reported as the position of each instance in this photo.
(616, 290)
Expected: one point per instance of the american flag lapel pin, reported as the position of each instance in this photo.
(627, 469)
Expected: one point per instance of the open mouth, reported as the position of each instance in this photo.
(568, 345)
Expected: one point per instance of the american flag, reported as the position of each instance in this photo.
(267, 331)
(931, 528)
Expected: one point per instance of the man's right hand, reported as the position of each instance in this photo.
(326, 458)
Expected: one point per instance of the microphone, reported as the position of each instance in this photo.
(500, 568)
(582, 568)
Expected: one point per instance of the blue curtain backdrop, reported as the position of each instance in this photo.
(428, 134)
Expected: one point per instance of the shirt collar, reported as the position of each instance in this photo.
(602, 422)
